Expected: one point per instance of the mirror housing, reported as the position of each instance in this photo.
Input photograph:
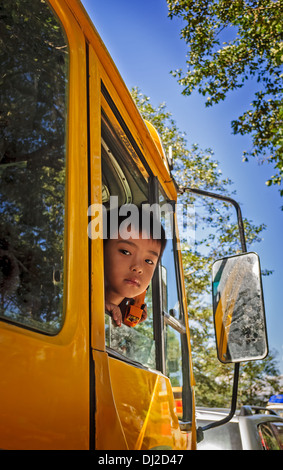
(238, 309)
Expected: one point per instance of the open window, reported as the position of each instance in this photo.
(123, 179)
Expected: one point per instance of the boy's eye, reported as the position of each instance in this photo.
(125, 252)
(149, 261)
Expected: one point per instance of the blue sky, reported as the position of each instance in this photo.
(145, 45)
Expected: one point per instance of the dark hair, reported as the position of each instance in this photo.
(144, 220)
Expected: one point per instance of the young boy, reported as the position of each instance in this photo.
(130, 262)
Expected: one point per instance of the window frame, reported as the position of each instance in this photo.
(179, 325)
(160, 318)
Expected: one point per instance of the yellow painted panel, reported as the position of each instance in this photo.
(144, 401)
(44, 380)
(97, 269)
(109, 433)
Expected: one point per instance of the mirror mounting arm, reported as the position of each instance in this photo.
(226, 199)
(225, 420)
(244, 250)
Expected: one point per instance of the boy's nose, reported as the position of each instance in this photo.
(136, 268)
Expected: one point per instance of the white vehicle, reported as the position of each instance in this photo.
(251, 428)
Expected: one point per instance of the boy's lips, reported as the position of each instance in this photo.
(133, 282)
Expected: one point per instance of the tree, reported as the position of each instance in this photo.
(228, 44)
(197, 168)
(258, 379)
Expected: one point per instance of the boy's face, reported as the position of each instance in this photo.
(129, 266)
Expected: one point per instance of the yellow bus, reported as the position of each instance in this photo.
(72, 137)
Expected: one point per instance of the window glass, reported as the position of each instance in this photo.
(136, 344)
(174, 369)
(278, 431)
(170, 296)
(34, 67)
(271, 435)
(122, 179)
(175, 340)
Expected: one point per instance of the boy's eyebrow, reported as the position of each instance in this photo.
(153, 253)
(135, 245)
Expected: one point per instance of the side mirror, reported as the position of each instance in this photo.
(238, 309)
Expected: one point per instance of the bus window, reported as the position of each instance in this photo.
(175, 339)
(34, 59)
(122, 179)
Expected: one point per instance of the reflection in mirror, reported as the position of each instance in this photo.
(238, 309)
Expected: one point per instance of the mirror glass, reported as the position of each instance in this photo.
(238, 309)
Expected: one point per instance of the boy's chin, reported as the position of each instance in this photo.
(131, 293)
